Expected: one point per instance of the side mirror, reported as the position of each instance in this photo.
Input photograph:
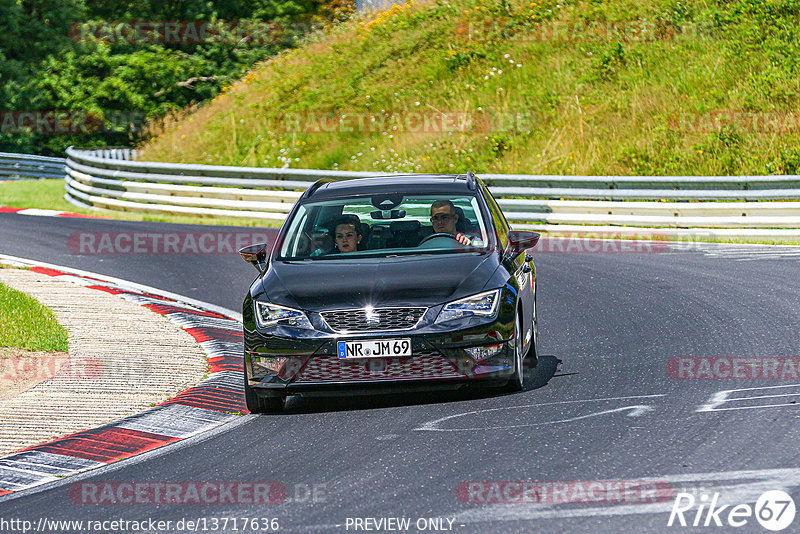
(519, 240)
(255, 254)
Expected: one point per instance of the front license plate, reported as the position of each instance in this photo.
(381, 348)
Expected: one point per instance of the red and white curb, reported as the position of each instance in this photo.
(213, 402)
(46, 213)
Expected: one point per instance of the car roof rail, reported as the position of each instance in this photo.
(472, 183)
(319, 183)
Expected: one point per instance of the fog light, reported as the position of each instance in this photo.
(482, 353)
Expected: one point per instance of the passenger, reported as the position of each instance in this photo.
(444, 219)
(347, 233)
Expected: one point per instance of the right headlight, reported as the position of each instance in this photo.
(483, 304)
(268, 314)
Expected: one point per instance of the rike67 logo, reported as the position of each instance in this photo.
(774, 510)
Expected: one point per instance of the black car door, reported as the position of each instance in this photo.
(520, 267)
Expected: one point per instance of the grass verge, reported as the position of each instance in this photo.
(27, 324)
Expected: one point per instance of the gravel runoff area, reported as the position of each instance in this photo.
(123, 358)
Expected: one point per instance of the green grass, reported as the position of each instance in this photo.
(49, 194)
(43, 194)
(27, 324)
(600, 106)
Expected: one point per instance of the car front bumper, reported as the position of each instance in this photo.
(287, 363)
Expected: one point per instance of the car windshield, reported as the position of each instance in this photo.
(383, 225)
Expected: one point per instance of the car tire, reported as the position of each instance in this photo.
(516, 381)
(533, 351)
(257, 404)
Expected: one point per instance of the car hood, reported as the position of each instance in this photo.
(396, 281)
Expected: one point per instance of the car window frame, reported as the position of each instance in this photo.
(504, 228)
(483, 209)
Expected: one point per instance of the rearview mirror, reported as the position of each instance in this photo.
(519, 240)
(379, 215)
(255, 254)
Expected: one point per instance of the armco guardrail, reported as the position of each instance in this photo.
(111, 179)
(28, 167)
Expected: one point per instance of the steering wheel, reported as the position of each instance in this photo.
(440, 234)
(308, 246)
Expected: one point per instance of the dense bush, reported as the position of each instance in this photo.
(48, 64)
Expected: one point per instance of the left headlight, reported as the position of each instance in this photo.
(268, 314)
(483, 304)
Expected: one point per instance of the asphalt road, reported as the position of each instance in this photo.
(218, 277)
(605, 405)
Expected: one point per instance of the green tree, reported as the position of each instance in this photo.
(44, 67)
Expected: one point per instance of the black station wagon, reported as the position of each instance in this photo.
(392, 282)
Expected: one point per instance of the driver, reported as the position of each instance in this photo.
(317, 242)
(444, 218)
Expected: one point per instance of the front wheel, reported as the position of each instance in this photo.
(533, 352)
(515, 382)
(256, 404)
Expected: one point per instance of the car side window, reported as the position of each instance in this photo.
(500, 222)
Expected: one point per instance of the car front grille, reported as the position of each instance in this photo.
(423, 364)
(377, 320)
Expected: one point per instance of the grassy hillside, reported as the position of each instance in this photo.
(570, 87)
